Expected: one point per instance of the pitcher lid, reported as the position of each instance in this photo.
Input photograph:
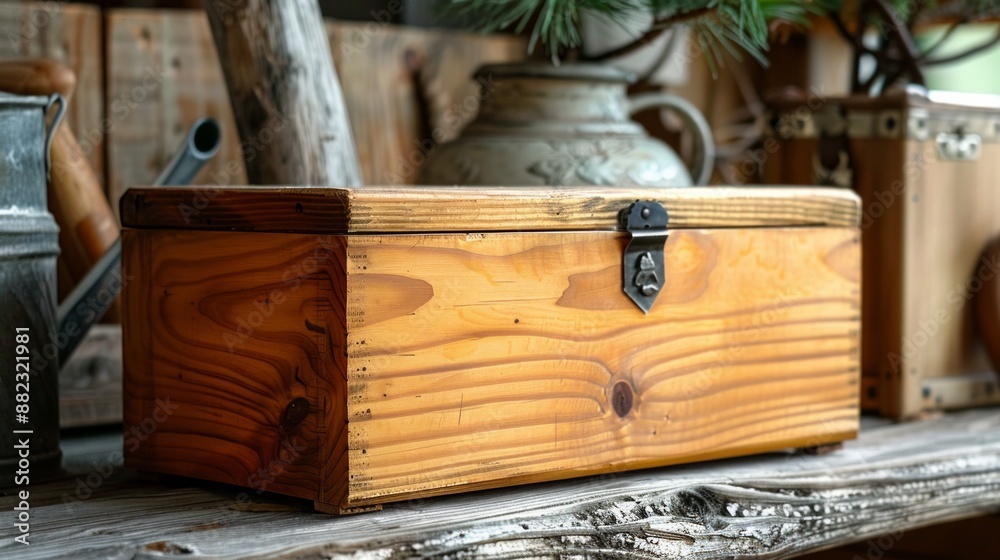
(573, 71)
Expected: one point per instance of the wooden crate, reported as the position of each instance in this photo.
(400, 86)
(361, 346)
(71, 34)
(925, 219)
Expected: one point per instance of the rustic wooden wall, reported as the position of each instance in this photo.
(385, 72)
(163, 76)
(71, 34)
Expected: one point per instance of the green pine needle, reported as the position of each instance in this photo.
(729, 25)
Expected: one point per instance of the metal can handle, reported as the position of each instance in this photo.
(704, 153)
(54, 99)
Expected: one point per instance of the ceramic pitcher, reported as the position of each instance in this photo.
(570, 125)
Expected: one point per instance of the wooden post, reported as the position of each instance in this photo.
(285, 94)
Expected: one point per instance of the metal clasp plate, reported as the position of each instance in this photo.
(643, 262)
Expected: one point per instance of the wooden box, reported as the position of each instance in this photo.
(362, 346)
(927, 167)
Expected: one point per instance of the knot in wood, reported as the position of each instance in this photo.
(621, 398)
(295, 413)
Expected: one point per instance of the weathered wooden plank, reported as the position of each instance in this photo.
(476, 209)
(423, 84)
(284, 92)
(422, 94)
(163, 76)
(90, 383)
(893, 478)
(71, 34)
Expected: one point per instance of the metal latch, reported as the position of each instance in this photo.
(959, 145)
(643, 262)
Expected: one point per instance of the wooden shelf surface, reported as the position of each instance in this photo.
(894, 477)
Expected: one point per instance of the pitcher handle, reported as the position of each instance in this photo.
(704, 152)
(54, 99)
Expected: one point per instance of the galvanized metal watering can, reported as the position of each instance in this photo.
(36, 336)
(29, 353)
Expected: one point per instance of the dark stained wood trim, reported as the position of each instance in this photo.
(464, 209)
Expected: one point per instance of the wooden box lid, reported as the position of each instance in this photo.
(410, 209)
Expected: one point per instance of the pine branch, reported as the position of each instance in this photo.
(659, 26)
(728, 25)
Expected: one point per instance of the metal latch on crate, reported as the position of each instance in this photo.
(643, 266)
(959, 145)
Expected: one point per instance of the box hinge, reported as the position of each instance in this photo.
(643, 266)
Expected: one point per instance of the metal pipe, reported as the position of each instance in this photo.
(200, 145)
(89, 300)
(95, 293)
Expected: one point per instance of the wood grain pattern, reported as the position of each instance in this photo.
(162, 77)
(924, 222)
(284, 91)
(465, 209)
(385, 107)
(494, 358)
(70, 34)
(422, 93)
(945, 235)
(459, 362)
(249, 350)
(90, 383)
(894, 478)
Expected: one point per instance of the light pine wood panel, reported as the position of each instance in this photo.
(494, 358)
(464, 209)
(878, 166)
(456, 362)
(71, 34)
(249, 349)
(924, 221)
(385, 108)
(893, 478)
(422, 89)
(950, 216)
(163, 75)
